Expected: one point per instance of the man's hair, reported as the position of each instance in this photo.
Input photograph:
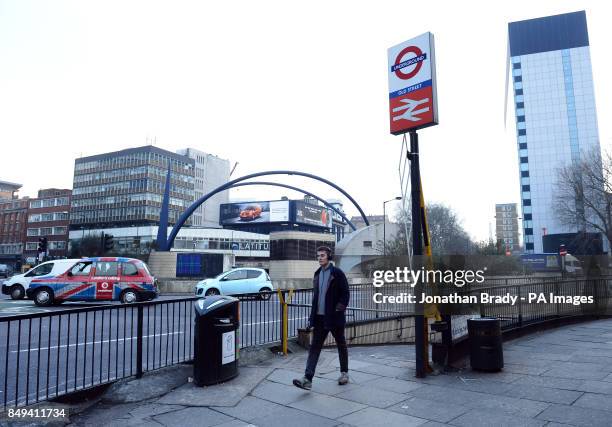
(326, 249)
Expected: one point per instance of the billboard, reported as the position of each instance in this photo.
(254, 212)
(309, 214)
(412, 84)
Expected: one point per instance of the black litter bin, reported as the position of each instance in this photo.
(216, 340)
(486, 350)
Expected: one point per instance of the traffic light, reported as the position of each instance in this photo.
(42, 244)
(108, 242)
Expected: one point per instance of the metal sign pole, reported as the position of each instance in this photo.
(417, 252)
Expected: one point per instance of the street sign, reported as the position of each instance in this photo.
(412, 84)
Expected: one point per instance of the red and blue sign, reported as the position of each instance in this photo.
(412, 89)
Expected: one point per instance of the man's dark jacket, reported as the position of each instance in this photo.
(336, 298)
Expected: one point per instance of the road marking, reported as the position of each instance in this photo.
(97, 342)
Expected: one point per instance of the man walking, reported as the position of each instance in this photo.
(329, 301)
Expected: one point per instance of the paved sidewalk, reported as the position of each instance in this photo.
(557, 377)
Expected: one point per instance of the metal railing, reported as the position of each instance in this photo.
(524, 313)
(46, 355)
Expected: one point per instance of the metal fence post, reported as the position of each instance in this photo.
(520, 307)
(139, 342)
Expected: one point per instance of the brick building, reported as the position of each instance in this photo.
(48, 216)
(13, 220)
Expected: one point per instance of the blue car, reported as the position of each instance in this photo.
(237, 281)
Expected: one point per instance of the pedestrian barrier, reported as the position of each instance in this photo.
(50, 354)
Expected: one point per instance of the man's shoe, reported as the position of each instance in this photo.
(303, 383)
(344, 379)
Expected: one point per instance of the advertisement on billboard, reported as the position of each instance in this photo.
(412, 84)
(306, 213)
(254, 212)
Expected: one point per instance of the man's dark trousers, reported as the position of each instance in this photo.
(318, 338)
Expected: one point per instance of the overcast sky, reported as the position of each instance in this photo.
(271, 85)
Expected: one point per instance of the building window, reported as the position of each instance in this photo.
(33, 231)
(524, 159)
(516, 65)
(527, 216)
(520, 118)
(518, 91)
(524, 174)
(31, 246)
(522, 132)
(367, 243)
(520, 105)
(523, 145)
(529, 246)
(527, 202)
(518, 78)
(529, 232)
(526, 188)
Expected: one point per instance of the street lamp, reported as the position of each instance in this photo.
(385, 223)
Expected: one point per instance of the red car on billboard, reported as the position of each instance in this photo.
(250, 213)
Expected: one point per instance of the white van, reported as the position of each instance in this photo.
(16, 285)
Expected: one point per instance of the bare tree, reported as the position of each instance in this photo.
(583, 198)
(447, 235)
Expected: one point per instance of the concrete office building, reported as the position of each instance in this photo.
(8, 190)
(556, 121)
(126, 188)
(507, 227)
(210, 172)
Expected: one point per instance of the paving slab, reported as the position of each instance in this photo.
(429, 409)
(584, 373)
(543, 394)
(374, 417)
(561, 383)
(278, 393)
(249, 408)
(576, 415)
(478, 418)
(393, 384)
(192, 417)
(326, 406)
(595, 401)
(290, 417)
(224, 394)
(594, 386)
(151, 409)
(372, 397)
(235, 423)
(355, 376)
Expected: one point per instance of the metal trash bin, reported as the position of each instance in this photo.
(486, 349)
(216, 351)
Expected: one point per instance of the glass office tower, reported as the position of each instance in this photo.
(556, 120)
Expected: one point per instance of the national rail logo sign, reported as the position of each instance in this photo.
(412, 85)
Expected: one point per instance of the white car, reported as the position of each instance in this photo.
(237, 281)
(17, 285)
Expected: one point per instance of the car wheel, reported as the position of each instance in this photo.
(129, 297)
(265, 294)
(212, 292)
(43, 297)
(17, 292)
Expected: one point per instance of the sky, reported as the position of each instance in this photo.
(272, 85)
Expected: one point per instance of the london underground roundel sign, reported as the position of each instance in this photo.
(412, 85)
